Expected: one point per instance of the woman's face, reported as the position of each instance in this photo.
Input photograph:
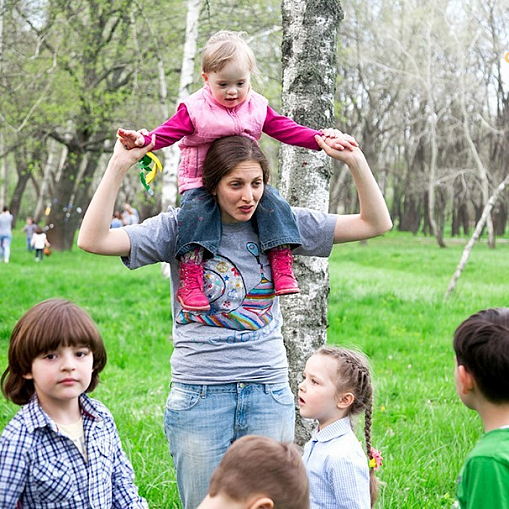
(239, 192)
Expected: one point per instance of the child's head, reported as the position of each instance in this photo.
(225, 47)
(337, 383)
(30, 220)
(481, 344)
(259, 473)
(38, 230)
(44, 328)
(227, 65)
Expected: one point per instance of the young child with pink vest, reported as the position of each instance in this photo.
(226, 106)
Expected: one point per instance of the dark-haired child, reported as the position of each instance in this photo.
(259, 473)
(62, 448)
(337, 386)
(481, 345)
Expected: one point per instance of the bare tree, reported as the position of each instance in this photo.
(475, 236)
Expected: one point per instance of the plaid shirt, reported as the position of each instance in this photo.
(337, 468)
(41, 468)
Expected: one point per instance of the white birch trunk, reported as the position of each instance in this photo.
(46, 176)
(309, 76)
(3, 167)
(475, 236)
(172, 154)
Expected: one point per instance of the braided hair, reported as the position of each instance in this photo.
(353, 375)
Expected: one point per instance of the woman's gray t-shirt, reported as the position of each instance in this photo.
(239, 339)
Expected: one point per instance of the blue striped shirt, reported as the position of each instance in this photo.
(41, 468)
(337, 468)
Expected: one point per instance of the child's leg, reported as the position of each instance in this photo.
(199, 230)
(190, 291)
(278, 234)
(199, 222)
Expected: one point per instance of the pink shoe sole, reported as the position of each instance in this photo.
(192, 308)
(287, 291)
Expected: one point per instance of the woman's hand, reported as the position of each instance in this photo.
(130, 138)
(343, 147)
(335, 139)
(373, 218)
(125, 158)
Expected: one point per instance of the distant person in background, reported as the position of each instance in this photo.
(116, 221)
(29, 230)
(481, 345)
(39, 242)
(130, 215)
(5, 234)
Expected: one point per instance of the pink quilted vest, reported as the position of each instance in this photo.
(212, 121)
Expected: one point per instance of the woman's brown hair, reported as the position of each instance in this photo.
(43, 328)
(225, 154)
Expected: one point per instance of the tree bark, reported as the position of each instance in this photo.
(172, 154)
(475, 236)
(309, 76)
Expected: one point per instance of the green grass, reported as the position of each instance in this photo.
(386, 298)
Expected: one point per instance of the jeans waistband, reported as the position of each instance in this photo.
(234, 387)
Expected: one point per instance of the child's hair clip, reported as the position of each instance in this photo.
(376, 459)
(144, 164)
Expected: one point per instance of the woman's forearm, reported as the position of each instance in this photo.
(374, 218)
(95, 234)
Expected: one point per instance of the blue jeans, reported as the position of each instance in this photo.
(5, 246)
(202, 421)
(199, 222)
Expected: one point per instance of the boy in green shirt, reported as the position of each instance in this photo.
(481, 344)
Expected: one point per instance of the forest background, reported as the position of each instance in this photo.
(423, 86)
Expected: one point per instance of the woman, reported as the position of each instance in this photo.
(229, 367)
(5, 234)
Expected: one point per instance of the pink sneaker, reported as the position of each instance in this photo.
(190, 291)
(283, 278)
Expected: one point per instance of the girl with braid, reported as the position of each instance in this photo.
(336, 386)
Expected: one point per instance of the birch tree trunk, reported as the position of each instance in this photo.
(172, 153)
(432, 122)
(46, 176)
(475, 236)
(3, 170)
(309, 50)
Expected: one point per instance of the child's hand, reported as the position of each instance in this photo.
(130, 138)
(338, 140)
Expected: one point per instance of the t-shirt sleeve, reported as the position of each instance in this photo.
(484, 484)
(152, 241)
(287, 131)
(173, 130)
(316, 231)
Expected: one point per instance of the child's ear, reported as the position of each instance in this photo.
(205, 77)
(28, 376)
(466, 380)
(262, 503)
(346, 400)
